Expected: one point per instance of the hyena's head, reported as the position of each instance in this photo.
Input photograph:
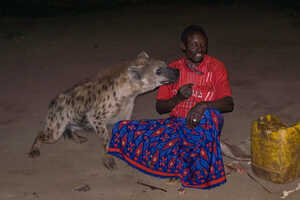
(150, 73)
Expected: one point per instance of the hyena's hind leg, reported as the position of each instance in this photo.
(71, 133)
(35, 148)
(49, 135)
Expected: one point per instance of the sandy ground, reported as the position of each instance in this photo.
(42, 57)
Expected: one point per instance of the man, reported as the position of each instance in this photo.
(187, 144)
(206, 77)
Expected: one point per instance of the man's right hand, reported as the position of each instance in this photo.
(185, 91)
(166, 106)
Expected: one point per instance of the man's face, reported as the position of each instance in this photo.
(195, 47)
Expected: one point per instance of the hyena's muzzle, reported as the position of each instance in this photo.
(171, 75)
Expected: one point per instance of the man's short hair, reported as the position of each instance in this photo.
(190, 30)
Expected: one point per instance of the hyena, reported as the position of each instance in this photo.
(102, 101)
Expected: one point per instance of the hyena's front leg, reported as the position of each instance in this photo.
(102, 131)
(108, 160)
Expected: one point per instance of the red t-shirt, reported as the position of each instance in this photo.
(210, 85)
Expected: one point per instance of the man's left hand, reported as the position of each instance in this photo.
(195, 114)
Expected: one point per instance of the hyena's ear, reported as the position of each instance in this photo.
(135, 72)
(142, 58)
(144, 55)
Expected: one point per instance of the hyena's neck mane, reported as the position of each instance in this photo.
(118, 76)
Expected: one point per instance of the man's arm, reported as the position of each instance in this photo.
(166, 106)
(223, 105)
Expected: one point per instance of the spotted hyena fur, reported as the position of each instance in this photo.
(101, 101)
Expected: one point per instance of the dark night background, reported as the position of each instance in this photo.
(47, 46)
(47, 8)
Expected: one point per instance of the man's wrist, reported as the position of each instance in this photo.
(204, 105)
(176, 100)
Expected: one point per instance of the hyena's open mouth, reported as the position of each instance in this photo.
(171, 75)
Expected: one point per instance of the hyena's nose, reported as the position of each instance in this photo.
(173, 75)
(176, 73)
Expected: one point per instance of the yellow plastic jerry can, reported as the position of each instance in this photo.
(275, 150)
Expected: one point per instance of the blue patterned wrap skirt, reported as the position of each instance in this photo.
(167, 148)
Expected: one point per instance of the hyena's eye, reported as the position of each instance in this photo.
(158, 71)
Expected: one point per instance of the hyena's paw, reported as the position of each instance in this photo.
(34, 153)
(109, 162)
